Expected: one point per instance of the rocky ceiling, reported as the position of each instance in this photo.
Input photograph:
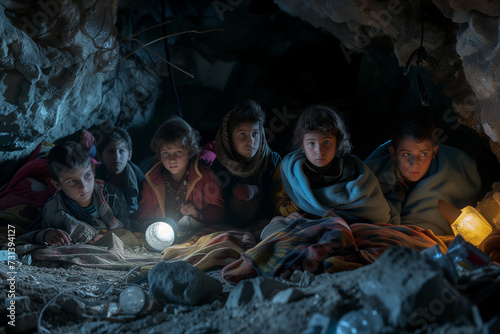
(462, 36)
(68, 64)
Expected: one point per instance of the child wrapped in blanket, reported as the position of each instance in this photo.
(415, 172)
(321, 176)
(82, 205)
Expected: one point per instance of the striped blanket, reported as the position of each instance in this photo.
(325, 245)
(212, 246)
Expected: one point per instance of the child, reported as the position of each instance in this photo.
(245, 165)
(82, 205)
(414, 172)
(177, 185)
(114, 150)
(321, 177)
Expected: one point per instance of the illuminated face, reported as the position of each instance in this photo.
(77, 184)
(413, 158)
(115, 157)
(319, 148)
(246, 139)
(175, 159)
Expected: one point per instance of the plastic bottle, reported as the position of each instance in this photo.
(6, 256)
(363, 321)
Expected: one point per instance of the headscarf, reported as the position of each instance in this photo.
(250, 172)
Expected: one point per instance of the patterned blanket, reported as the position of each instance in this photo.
(213, 246)
(108, 252)
(325, 245)
(23, 197)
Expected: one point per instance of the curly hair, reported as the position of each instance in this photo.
(325, 120)
(66, 156)
(176, 131)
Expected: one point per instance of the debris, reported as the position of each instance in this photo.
(287, 296)
(180, 282)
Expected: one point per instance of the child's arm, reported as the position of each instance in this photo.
(57, 237)
(284, 205)
(55, 218)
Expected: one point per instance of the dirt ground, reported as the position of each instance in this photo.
(73, 299)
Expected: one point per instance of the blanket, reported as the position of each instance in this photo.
(108, 252)
(325, 245)
(357, 199)
(452, 176)
(22, 199)
(213, 246)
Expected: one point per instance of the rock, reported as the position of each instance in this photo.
(160, 317)
(105, 287)
(287, 296)
(179, 282)
(489, 206)
(304, 278)
(469, 56)
(21, 304)
(23, 323)
(3, 275)
(418, 294)
(202, 329)
(73, 306)
(55, 80)
(254, 290)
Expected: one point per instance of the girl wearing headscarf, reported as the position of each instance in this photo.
(245, 165)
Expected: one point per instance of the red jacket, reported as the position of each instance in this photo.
(204, 192)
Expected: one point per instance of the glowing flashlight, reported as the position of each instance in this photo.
(161, 235)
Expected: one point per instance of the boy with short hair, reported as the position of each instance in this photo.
(114, 151)
(414, 172)
(82, 205)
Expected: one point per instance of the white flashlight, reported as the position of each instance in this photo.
(162, 234)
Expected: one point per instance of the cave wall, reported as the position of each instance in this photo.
(71, 64)
(463, 36)
(61, 71)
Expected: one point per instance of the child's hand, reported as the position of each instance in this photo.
(57, 238)
(188, 209)
(294, 215)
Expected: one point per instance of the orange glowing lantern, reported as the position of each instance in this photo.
(468, 222)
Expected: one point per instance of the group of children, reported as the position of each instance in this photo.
(248, 185)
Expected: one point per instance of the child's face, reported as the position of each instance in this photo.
(175, 159)
(413, 158)
(115, 157)
(319, 148)
(77, 184)
(246, 139)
